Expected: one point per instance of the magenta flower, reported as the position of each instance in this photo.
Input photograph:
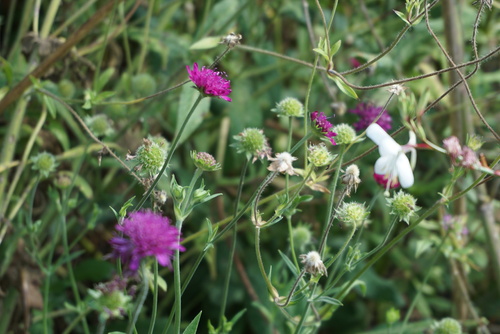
(321, 123)
(209, 82)
(368, 113)
(149, 234)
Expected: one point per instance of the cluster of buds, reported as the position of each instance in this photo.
(460, 156)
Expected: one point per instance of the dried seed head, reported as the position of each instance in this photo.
(313, 263)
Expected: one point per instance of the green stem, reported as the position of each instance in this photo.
(331, 203)
(171, 151)
(145, 37)
(177, 286)
(155, 299)
(233, 245)
(269, 285)
(292, 246)
(189, 195)
(342, 249)
(81, 316)
(140, 300)
(387, 235)
(49, 18)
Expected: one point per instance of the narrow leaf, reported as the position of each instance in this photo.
(193, 326)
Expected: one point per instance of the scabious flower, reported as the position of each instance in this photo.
(209, 82)
(289, 107)
(282, 163)
(150, 156)
(45, 163)
(447, 326)
(345, 134)
(393, 168)
(146, 233)
(313, 263)
(321, 124)
(110, 300)
(253, 143)
(367, 113)
(100, 125)
(319, 155)
(351, 179)
(205, 161)
(352, 214)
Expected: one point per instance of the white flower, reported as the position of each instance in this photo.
(393, 167)
(282, 163)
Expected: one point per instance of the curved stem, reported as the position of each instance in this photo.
(171, 151)
(292, 290)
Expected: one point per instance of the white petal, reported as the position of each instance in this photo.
(376, 133)
(388, 147)
(405, 174)
(383, 165)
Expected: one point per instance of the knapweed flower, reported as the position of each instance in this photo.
(313, 263)
(205, 161)
(146, 233)
(210, 82)
(367, 113)
(352, 214)
(403, 205)
(319, 155)
(345, 134)
(253, 143)
(321, 124)
(289, 107)
(45, 163)
(282, 163)
(393, 167)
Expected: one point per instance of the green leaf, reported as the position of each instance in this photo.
(422, 246)
(188, 97)
(322, 53)
(50, 104)
(289, 263)
(80, 183)
(193, 326)
(402, 16)
(343, 87)
(328, 300)
(104, 78)
(7, 69)
(125, 206)
(335, 48)
(205, 43)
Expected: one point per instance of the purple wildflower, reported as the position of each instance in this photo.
(368, 113)
(321, 123)
(209, 82)
(149, 234)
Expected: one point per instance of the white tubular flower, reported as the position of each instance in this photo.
(393, 168)
(282, 163)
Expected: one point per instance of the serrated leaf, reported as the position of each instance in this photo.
(104, 78)
(335, 48)
(193, 326)
(328, 300)
(344, 88)
(205, 43)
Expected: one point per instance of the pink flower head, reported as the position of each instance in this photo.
(209, 82)
(367, 113)
(452, 146)
(321, 123)
(149, 234)
(469, 158)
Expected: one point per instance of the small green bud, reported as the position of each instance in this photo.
(205, 161)
(403, 205)
(345, 134)
(200, 195)
(352, 214)
(253, 143)
(110, 303)
(392, 316)
(302, 236)
(448, 326)
(319, 155)
(62, 180)
(100, 125)
(474, 142)
(143, 84)
(178, 192)
(45, 163)
(289, 107)
(66, 88)
(150, 157)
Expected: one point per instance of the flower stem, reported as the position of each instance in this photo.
(387, 235)
(140, 300)
(155, 299)
(169, 155)
(177, 284)
(233, 245)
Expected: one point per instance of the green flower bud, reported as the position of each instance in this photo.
(160, 141)
(302, 236)
(253, 143)
(110, 303)
(392, 316)
(448, 326)
(45, 163)
(150, 157)
(345, 134)
(205, 161)
(403, 205)
(62, 180)
(474, 142)
(319, 155)
(143, 84)
(289, 107)
(352, 214)
(66, 88)
(100, 125)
